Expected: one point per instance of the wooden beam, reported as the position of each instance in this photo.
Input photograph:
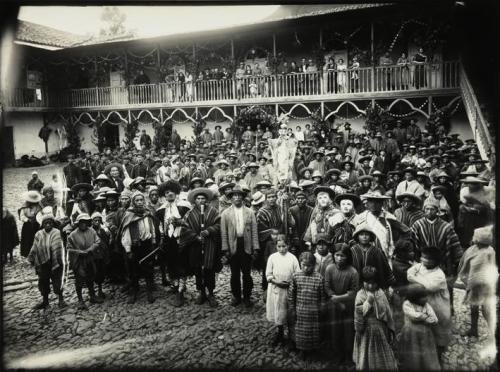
(429, 106)
(274, 45)
(372, 57)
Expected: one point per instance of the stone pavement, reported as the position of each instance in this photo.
(158, 335)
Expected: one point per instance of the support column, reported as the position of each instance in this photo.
(158, 58)
(274, 45)
(235, 111)
(161, 116)
(372, 57)
(429, 106)
(321, 38)
(277, 110)
(322, 110)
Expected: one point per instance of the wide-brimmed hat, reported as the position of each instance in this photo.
(326, 189)
(237, 189)
(96, 215)
(111, 194)
(224, 185)
(318, 152)
(410, 170)
(363, 158)
(363, 228)
(347, 162)
(483, 235)
(443, 174)
(410, 195)
(209, 182)
(195, 179)
(82, 217)
(377, 173)
(193, 194)
(374, 195)
(258, 198)
(263, 183)
(222, 161)
(316, 173)
(103, 177)
(83, 185)
(365, 177)
(333, 171)
(349, 196)
(439, 188)
(253, 165)
(32, 196)
(137, 181)
(303, 170)
(169, 185)
(46, 211)
(468, 173)
(470, 179)
(306, 183)
(294, 186)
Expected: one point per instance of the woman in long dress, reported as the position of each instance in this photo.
(341, 76)
(404, 74)
(189, 87)
(27, 215)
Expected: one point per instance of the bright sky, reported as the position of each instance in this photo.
(146, 20)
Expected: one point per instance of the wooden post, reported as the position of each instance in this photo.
(95, 70)
(277, 110)
(161, 116)
(372, 57)
(322, 110)
(274, 45)
(321, 38)
(429, 106)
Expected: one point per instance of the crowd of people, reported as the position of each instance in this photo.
(358, 251)
(293, 78)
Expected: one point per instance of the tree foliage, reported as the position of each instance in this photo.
(131, 131)
(114, 22)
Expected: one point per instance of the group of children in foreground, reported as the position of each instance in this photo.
(350, 312)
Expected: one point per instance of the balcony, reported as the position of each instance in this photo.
(334, 85)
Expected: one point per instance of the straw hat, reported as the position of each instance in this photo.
(193, 194)
(32, 196)
(258, 198)
(82, 217)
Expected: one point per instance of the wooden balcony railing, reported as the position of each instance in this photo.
(479, 125)
(364, 80)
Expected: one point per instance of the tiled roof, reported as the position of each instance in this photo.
(43, 35)
(285, 12)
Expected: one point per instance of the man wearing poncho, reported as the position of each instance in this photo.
(47, 256)
(201, 236)
(432, 231)
(82, 243)
(171, 256)
(138, 236)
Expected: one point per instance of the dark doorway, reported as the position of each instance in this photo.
(112, 136)
(8, 156)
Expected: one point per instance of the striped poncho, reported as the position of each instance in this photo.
(268, 218)
(205, 255)
(440, 234)
(47, 247)
(408, 217)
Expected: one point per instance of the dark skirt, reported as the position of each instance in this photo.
(28, 232)
(177, 259)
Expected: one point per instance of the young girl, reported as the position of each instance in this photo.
(305, 298)
(478, 271)
(416, 343)
(364, 253)
(374, 326)
(323, 257)
(341, 285)
(428, 274)
(280, 268)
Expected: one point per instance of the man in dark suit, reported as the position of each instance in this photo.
(140, 169)
(145, 139)
(71, 172)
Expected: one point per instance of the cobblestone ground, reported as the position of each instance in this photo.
(114, 334)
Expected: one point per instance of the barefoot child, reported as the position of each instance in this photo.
(341, 285)
(428, 274)
(478, 271)
(306, 295)
(280, 268)
(374, 326)
(416, 343)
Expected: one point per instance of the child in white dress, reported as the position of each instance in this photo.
(279, 271)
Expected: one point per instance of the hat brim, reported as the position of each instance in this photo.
(193, 194)
(326, 189)
(414, 197)
(79, 186)
(352, 197)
